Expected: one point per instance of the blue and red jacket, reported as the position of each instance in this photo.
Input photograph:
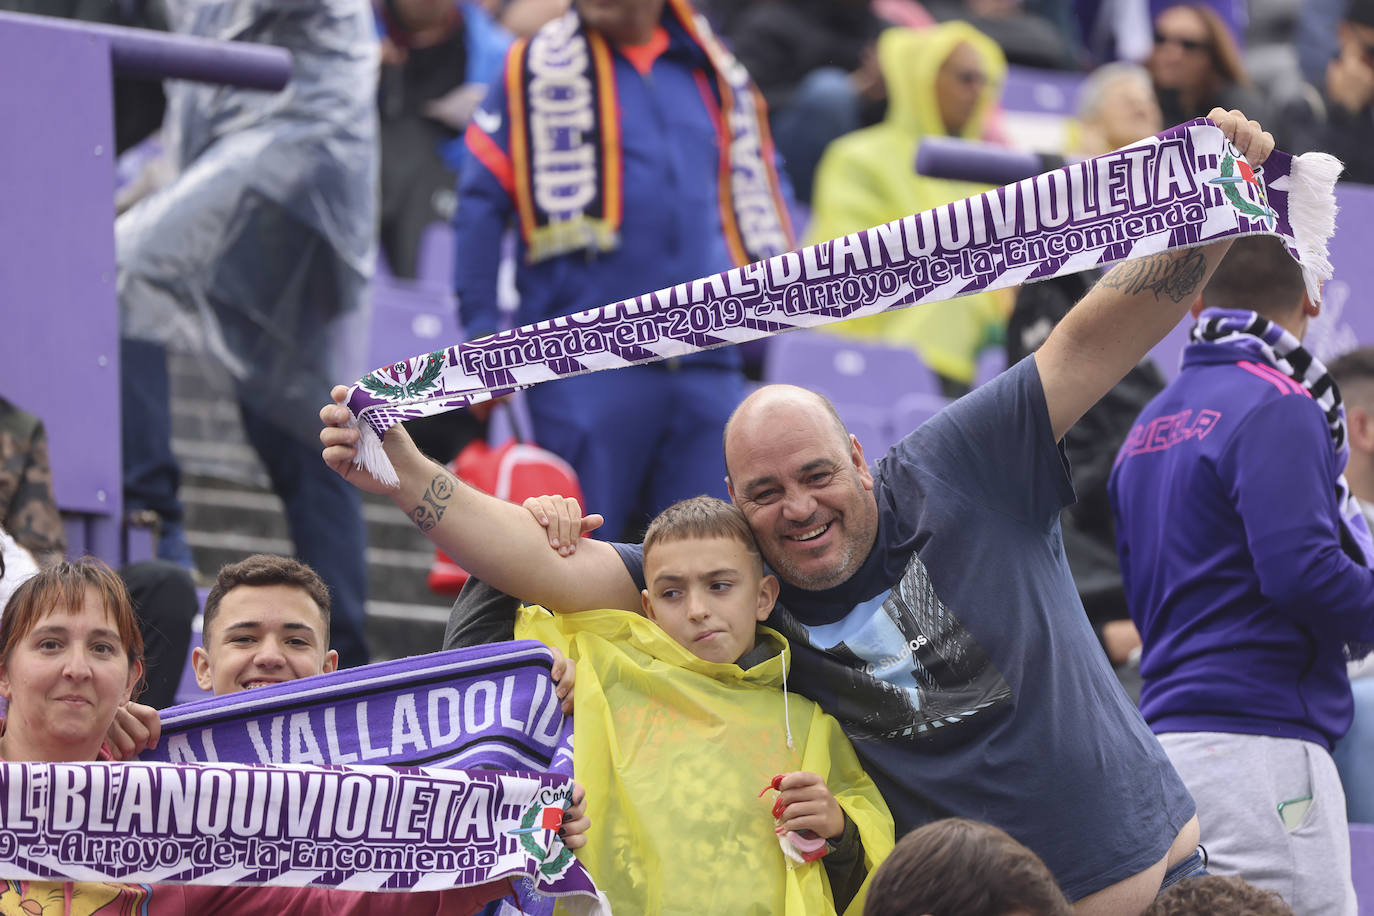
(671, 230)
(1231, 552)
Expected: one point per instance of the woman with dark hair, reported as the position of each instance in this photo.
(1196, 65)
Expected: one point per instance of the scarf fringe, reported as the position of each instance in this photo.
(372, 456)
(1312, 214)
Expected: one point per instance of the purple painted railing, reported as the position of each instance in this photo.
(59, 340)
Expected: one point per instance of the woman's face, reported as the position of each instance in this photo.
(65, 679)
(1182, 56)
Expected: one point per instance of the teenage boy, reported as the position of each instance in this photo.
(266, 620)
(680, 724)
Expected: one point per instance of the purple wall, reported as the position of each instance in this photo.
(59, 338)
(59, 355)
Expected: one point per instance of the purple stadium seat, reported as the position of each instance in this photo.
(434, 261)
(914, 409)
(992, 361)
(1169, 351)
(1362, 865)
(872, 426)
(848, 371)
(187, 688)
(407, 320)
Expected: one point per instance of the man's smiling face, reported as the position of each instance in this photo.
(263, 634)
(803, 485)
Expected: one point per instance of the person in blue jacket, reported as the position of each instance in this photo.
(631, 151)
(438, 58)
(1245, 563)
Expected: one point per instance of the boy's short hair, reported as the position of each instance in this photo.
(267, 569)
(959, 867)
(1215, 895)
(701, 517)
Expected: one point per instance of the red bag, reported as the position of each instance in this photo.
(514, 471)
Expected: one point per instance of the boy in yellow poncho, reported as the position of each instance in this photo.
(679, 724)
(942, 81)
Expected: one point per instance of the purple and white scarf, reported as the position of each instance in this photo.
(1184, 187)
(488, 707)
(313, 783)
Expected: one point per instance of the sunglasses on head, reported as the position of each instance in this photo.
(1191, 45)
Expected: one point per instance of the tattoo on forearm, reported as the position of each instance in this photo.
(434, 502)
(1167, 274)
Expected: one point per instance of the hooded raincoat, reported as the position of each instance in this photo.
(868, 177)
(673, 751)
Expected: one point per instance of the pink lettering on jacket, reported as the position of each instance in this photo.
(1165, 432)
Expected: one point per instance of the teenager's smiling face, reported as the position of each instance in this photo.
(261, 635)
(803, 485)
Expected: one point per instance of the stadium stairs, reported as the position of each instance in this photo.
(231, 512)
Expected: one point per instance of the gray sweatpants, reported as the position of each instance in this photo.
(1239, 782)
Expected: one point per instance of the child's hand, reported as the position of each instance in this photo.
(564, 674)
(135, 728)
(575, 820)
(563, 518)
(805, 803)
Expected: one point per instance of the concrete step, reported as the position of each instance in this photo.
(397, 629)
(255, 510)
(226, 520)
(231, 512)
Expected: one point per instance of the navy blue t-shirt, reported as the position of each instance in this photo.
(959, 659)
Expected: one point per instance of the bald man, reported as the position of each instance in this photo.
(926, 599)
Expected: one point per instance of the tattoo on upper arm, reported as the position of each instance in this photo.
(1167, 274)
(434, 501)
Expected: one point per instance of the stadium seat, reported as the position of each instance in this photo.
(848, 371)
(1169, 351)
(992, 361)
(872, 426)
(914, 409)
(408, 320)
(435, 259)
(1362, 865)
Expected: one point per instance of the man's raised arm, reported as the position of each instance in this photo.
(498, 542)
(1132, 307)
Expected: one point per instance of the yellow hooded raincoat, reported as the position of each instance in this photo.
(868, 177)
(673, 752)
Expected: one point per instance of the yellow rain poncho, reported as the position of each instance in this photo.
(673, 752)
(869, 177)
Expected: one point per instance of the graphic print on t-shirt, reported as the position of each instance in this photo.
(902, 665)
